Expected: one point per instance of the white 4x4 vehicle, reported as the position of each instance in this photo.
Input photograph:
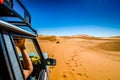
(10, 55)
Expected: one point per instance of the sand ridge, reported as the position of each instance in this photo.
(83, 57)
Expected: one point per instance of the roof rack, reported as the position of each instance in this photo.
(13, 28)
(9, 12)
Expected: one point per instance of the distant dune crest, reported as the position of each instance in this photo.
(108, 43)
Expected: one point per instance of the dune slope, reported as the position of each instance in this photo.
(81, 58)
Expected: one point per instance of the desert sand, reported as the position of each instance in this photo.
(83, 57)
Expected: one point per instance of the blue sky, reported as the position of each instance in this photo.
(73, 17)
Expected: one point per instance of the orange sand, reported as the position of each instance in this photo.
(83, 57)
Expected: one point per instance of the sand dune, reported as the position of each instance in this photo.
(110, 46)
(83, 57)
(50, 38)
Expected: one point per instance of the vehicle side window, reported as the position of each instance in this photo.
(33, 54)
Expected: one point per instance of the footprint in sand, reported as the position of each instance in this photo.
(52, 55)
(72, 59)
(76, 65)
(79, 74)
(108, 78)
(73, 56)
(67, 63)
(73, 69)
(85, 75)
(64, 75)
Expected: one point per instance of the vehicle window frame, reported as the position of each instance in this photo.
(34, 40)
(36, 46)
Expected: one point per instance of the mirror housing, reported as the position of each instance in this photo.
(50, 62)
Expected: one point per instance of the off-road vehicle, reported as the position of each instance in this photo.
(15, 24)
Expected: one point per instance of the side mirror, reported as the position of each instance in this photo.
(50, 62)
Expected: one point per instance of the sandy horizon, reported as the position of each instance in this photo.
(83, 57)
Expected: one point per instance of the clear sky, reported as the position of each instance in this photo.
(73, 17)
